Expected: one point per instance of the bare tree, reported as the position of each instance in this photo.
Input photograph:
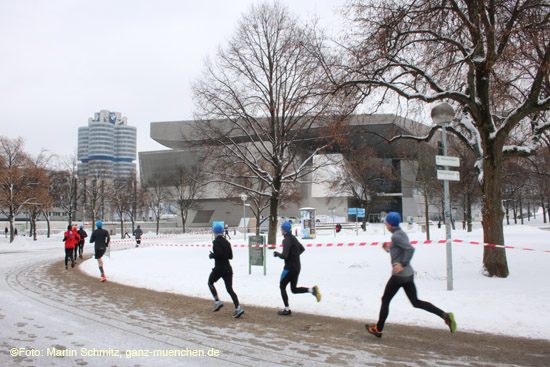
(39, 180)
(16, 192)
(261, 100)
(420, 175)
(156, 196)
(187, 185)
(253, 189)
(365, 178)
(70, 193)
(136, 201)
(120, 199)
(540, 166)
(489, 58)
(93, 190)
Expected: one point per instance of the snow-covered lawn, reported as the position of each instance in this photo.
(352, 278)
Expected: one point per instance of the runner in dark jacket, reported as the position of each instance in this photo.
(222, 253)
(82, 233)
(292, 249)
(101, 239)
(137, 234)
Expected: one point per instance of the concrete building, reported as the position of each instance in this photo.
(107, 146)
(314, 190)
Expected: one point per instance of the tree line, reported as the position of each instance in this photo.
(280, 92)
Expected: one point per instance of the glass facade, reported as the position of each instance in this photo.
(107, 147)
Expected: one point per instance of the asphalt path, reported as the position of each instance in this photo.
(53, 317)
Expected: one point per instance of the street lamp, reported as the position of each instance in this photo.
(443, 114)
(244, 197)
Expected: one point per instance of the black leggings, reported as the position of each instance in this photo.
(290, 276)
(227, 276)
(69, 255)
(392, 287)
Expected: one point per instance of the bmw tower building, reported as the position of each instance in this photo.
(107, 147)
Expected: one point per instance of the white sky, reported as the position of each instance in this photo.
(63, 60)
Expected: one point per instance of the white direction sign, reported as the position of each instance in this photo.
(443, 160)
(448, 175)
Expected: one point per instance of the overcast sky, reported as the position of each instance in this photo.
(64, 60)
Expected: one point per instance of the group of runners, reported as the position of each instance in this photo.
(400, 250)
(74, 244)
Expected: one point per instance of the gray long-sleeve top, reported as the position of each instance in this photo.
(401, 251)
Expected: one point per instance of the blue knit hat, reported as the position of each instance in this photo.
(99, 224)
(218, 228)
(393, 219)
(81, 227)
(286, 226)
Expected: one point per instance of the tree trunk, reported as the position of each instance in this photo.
(543, 211)
(12, 227)
(33, 227)
(121, 227)
(273, 210)
(48, 223)
(183, 219)
(469, 212)
(494, 259)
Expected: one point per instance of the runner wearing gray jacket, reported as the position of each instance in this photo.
(401, 253)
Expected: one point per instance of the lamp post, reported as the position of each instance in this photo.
(244, 197)
(443, 114)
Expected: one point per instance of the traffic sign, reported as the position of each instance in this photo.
(448, 175)
(443, 160)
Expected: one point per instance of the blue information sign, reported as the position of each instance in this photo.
(360, 212)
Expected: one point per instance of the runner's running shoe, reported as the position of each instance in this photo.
(373, 329)
(450, 321)
(284, 313)
(316, 293)
(238, 312)
(217, 306)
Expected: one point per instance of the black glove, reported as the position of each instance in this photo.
(211, 255)
(276, 254)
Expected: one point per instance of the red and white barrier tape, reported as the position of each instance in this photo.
(340, 244)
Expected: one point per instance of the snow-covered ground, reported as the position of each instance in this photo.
(352, 278)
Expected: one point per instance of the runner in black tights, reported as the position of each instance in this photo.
(222, 253)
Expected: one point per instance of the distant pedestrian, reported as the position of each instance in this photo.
(82, 233)
(15, 231)
(70, 238)
(101, 239)
(401, 252)
(338, 228)
(222, 253)
(292, 249)
(137, 234)
(76, 245)
(126, 234)
(6, 232)
(226, 229)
